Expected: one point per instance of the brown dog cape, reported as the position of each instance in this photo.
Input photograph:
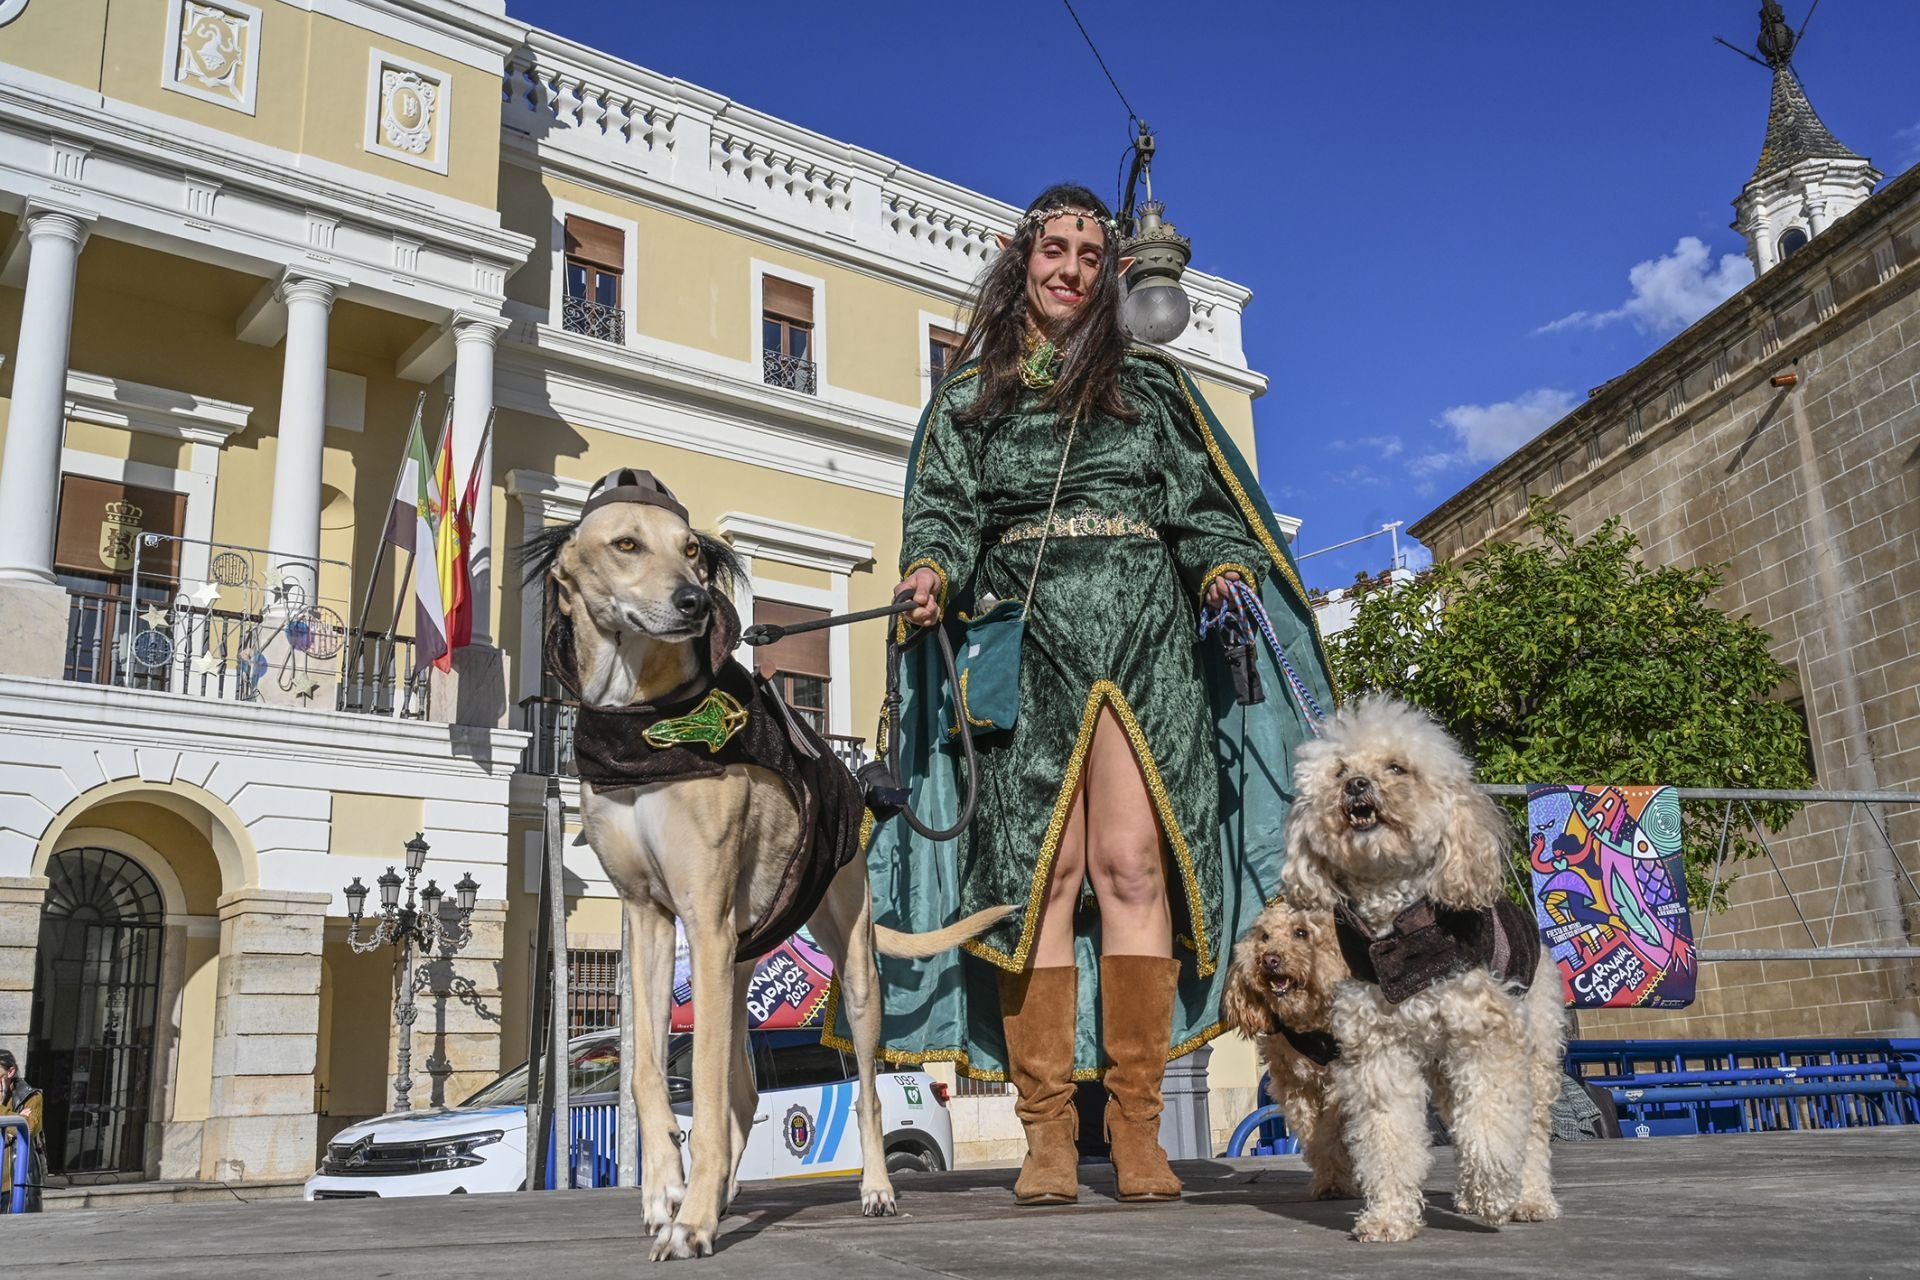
(728, 716)
(1429, 942)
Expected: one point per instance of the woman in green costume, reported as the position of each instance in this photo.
(1133, 813)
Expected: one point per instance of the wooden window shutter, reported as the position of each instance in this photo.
(603, 246)
(801, 655)
(100, 519)
(786, 300)
(945, 337)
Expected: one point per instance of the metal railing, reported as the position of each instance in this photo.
(17, 1142)
(233, 626)
(1876, 887)
(549, 723)
(594, 319)
(795, 373)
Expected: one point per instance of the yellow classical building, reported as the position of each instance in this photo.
(240, 240)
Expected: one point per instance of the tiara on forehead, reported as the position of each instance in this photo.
(1041, 217)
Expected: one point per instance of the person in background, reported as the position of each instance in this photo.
(18, 1098)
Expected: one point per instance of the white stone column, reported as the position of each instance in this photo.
(36, 422)
(293, 533)
(475, 337)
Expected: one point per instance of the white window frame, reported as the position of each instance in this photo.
(757, 311)
(760, 540)
(929, 321)
(435, 159)
(629, 264)
(170, 57)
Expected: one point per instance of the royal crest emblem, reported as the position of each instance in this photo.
(118, 532)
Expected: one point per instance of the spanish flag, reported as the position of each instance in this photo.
(429, 608)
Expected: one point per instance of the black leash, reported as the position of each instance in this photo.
(880, 779)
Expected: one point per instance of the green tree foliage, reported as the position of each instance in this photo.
(1563, 659)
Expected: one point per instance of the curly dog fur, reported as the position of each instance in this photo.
(1283, 973)
(1386, 814)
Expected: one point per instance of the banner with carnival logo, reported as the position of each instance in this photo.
(788, 989)
(1610, 893)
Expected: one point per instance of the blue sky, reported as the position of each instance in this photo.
(1455, 218)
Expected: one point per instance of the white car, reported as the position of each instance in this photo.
(803, 1127)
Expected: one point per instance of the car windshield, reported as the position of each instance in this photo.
(594, 1067)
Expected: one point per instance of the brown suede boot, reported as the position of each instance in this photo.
(1136, 1010)
(1037, 1008)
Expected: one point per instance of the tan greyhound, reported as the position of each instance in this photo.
(634, 581)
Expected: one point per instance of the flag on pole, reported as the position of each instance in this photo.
(406, 490)
(429, 607)
(448, 553)
(460, 612)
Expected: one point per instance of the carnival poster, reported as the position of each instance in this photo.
(1610, 893)
(788, 989)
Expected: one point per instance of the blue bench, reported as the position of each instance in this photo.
(1665, 1087)
(1668, 1087)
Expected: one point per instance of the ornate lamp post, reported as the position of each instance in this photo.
(1156, 308)
(411, 927)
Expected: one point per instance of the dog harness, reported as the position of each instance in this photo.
(1429, 942)
(1315, 1046)
(726, 716)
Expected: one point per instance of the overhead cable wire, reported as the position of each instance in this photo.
(1132, 115)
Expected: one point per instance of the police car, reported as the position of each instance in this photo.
(803, 1127)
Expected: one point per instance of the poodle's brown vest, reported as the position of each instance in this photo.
(1429, 942)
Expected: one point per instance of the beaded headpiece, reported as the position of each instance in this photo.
(1041, 217)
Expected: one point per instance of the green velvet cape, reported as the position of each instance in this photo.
(1112, 625)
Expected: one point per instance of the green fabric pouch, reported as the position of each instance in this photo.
(987, 660)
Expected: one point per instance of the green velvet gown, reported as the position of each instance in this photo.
(1111, 623)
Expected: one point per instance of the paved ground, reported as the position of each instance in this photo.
(1840, 1205)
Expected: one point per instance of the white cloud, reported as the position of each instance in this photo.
(1382, 447)
(1489, 432)
(1669, 292)
(1909, 143)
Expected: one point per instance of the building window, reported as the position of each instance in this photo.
(1792, 242)
(596, 258)
(796, 665)
(593, 991)
(943, 350)
(786, 335)
(99, 524)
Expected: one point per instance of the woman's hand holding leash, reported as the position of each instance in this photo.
(921, 584)
(1220, 590)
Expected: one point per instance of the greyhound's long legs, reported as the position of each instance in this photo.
(650, 970)
(742, 1096)
(710, 940)
(844, 927)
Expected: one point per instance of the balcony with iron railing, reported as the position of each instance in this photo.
(594, 319)
(795, 373)
(549, 722)
(211, 620)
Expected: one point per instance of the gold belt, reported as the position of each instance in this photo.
(1081, 524)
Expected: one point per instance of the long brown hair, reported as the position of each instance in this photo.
(1091, 343)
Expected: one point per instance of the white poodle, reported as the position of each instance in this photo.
(1451, 989)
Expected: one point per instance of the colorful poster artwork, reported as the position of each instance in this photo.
(788, 988)
(1610, 892)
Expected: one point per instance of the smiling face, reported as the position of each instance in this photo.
(636, 569)
(1061, 270)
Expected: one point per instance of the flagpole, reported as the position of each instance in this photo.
(386, 656)
(380, 556)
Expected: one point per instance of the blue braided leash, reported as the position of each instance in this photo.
(1230, 621)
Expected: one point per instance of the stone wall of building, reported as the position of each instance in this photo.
(1809, 494)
